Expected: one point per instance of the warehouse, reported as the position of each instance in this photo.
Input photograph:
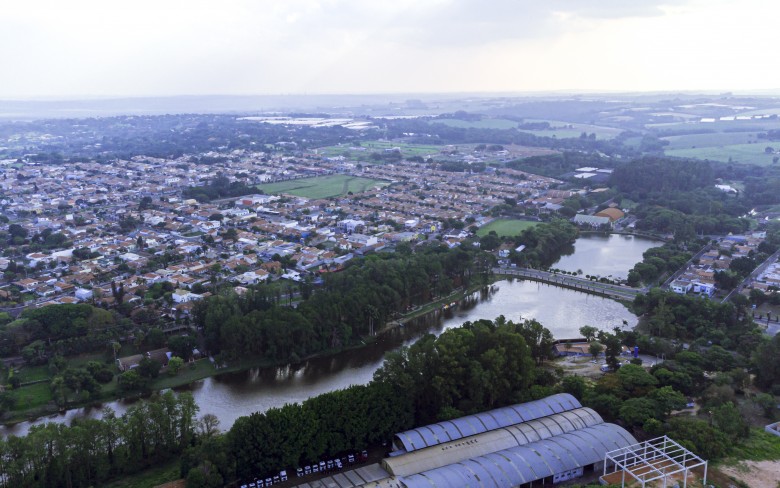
(542, 442)
(545, 441)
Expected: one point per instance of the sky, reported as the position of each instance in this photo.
(121, 48)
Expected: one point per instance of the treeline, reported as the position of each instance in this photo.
(469, 369)
(679, 197)
(352, 303)
(555, 165)
(659, 175)
(433, 132)
(64, 329)
(168, 136)
(91, 452)
(658, 262)
(701, 322)
(544, 243)
(219, 187)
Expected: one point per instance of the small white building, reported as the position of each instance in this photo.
(183, 296)
(83, 294)
(681, 286)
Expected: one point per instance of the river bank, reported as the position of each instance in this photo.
(205, 368)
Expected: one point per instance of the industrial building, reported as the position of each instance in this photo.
(530, 444)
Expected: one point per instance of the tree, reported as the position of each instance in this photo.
(636, 411)
(595, 348)
(174, 365)
(575, 385)
(730, 421)
(182, 346)
(208, 425)
(130, 381)
(490, 241)
(149, 368)
(588, 332)
(667, 399)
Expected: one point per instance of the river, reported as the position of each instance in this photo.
(232, 395)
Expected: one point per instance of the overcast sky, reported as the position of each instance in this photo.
(76, 48)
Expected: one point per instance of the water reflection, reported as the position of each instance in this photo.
(232, 395)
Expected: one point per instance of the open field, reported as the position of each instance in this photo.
(738, 153)
(478, 124)
(322, 186)
(561, 130)
(691, 141)
(506, 227)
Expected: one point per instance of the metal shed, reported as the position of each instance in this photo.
(530, 462)
(435, 434)
(489, 442)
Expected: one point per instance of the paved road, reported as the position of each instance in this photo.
(752, 276)
(680, 271)
(576, 282)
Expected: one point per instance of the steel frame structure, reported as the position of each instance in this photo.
(653, 460)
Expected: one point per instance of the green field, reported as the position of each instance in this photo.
(561, 130)
(478, 124)
(506, 227)
(738, 153)
(692, 141)
(322, 186)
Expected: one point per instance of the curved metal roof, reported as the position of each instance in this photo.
(434, 434)
(530, 462)
(488, 442)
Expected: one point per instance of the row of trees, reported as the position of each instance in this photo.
(91, 452)
(657, 262)
(352, 303)
(478, 366)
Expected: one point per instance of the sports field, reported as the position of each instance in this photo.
(322, 186)
(506, 227)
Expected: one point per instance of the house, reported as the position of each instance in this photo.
(252, 277)
(184, 296)
(681, 286)
(129, 362)
(612, 214)
(591, 220)
(704, 288)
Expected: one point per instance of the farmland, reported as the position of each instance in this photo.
(322, 186)
(506, 227)
(742, 153)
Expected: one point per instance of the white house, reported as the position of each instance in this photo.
(252, 277)
(184, 296)
(681, 286)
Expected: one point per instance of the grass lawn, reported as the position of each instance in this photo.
(33, 373)
(741, 153)
(322, 186)
(155, 476)
(187, 374)
(758, 447)
(505, 227)
(31, 396)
